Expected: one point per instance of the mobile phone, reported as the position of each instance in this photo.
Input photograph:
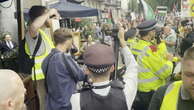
(55, 24)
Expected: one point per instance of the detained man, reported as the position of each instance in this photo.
(61, 72)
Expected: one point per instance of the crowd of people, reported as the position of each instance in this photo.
(156, 63)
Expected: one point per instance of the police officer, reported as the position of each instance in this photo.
(131, 37)
(180, 94)
(105, 94)
(154, 68)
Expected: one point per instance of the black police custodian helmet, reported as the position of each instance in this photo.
(147, 25)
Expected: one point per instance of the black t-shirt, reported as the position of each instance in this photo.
(157, 99)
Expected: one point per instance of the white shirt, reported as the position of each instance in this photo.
(9, 44)
(177, 68)
(130, 79)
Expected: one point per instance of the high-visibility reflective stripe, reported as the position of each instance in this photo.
(39, 60)
(144, 52)
(136, 50)
(147, 80)
(37, 71)
(38, 74)
(140, 57)
(142, 70)
(162, 70)
(170, 87)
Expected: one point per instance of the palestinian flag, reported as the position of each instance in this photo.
(148, 11)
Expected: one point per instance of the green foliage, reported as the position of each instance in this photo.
(85, 22)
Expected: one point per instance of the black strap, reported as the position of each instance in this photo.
(37, 46)
(101, 87)
(33, 58)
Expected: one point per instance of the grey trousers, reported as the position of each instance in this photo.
(41, 93)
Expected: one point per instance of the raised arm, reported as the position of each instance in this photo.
(41, 20)
(130, 76)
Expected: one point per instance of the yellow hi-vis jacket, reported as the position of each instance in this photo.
(39, 59)
(154, 68)
(170, 100)
(132, 42)
(163, 51)
(137, 48)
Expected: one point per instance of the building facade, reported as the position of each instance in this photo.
(8, 23)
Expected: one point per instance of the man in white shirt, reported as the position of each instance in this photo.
(106, 94)
(170, 39)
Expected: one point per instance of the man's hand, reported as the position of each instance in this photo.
(121, 36)
(169, 57)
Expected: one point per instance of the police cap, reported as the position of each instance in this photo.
(147, 25)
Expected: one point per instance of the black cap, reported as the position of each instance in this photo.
(185, 23)
(147, 25)
(130, 33)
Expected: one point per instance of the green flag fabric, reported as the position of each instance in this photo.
(148, 11)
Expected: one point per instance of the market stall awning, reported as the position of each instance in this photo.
(68, 9)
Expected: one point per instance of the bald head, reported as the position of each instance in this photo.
(11, 89)
(167, 29)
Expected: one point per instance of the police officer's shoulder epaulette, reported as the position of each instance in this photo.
(117, 84)
(153, 48)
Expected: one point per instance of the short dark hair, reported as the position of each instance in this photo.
(36, 11)
(61, 35)
(143, 33)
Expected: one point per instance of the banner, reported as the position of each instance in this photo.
(187, 8)
(161, 14)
